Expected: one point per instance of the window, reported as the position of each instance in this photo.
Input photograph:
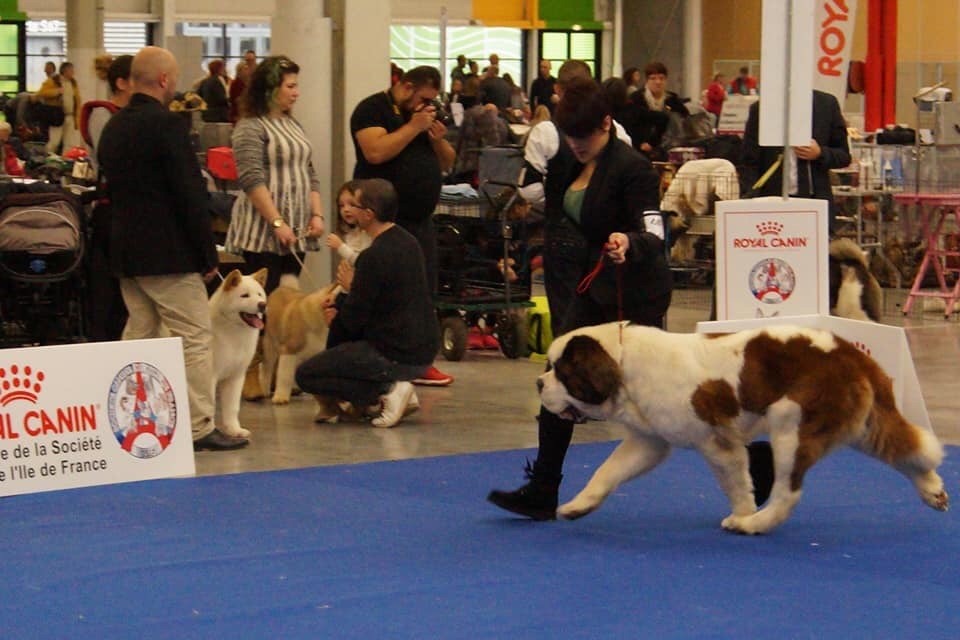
(47, 41)
(412, 46)
(10, 44)
(559, 46)
(227, 42)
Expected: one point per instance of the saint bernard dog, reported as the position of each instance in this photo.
(809, 390)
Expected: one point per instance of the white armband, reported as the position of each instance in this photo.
(653, 223)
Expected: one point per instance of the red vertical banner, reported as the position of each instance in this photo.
(881, 64)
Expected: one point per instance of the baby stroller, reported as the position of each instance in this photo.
(41, 284)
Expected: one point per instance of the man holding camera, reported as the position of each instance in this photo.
(399, 135)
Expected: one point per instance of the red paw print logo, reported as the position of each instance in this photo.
(19, 383)
(862, 347)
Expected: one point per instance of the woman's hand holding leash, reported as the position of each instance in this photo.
(315, 227)
(617, 246)
(286, 237)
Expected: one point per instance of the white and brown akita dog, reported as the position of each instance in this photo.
(809, 390)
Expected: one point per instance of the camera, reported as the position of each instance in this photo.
(442, 114)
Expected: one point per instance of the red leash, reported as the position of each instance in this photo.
(590, 277)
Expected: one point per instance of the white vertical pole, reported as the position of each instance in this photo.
(443, 49)
(693, 48)
(616, 67)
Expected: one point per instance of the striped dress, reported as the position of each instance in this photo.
(276, 153)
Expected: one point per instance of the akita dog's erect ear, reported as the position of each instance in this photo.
(261, 277)
(232, 280)
(587, 371)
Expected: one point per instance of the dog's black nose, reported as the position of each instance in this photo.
(262, 306)
(539, 385)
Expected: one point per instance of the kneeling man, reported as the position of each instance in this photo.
(387, 322)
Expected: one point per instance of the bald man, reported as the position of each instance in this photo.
(161, 242)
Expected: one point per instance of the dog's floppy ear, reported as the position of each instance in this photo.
(232, 280)
(587, 371)
(261, 277)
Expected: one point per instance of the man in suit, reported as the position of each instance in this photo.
(810, 164)
(161, 242)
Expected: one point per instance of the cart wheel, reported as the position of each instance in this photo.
(453, 337)
(512, 333)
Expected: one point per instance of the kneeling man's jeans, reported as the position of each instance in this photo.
(355, 372)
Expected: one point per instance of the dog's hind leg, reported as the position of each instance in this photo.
(633, 457)
(286, 370)
(913, 451)
(790, 462)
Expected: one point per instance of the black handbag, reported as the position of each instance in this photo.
(48, 114)
(897, 135)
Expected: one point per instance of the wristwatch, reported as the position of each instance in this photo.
(276, 223)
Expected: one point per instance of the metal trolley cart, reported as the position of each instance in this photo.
(475, 241)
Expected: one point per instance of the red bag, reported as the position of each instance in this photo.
(221, 164)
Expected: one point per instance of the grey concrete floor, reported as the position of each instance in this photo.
(492, 404)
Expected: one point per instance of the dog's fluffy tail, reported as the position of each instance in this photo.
(289, 280)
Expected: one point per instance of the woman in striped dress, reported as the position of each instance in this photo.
(279, 211)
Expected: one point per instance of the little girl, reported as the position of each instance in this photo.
(354, 239)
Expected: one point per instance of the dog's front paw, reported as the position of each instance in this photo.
(574, 509)
(280, 398)
(235, 431)
(740, 524)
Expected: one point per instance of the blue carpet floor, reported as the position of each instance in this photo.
(411, 550)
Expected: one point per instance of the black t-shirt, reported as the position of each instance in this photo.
(414, 172)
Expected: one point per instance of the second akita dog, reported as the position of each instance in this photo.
(296, 330)
(236, 318)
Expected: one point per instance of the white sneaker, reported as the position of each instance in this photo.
(394, 404)
(412, 405)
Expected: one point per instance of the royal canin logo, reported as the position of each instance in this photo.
(770, 228)
(20, 383)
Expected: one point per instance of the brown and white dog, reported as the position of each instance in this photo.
(854, 291)
(296, 331)
(810, 390)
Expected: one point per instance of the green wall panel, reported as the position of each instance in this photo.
(9, 11)
(563, 14)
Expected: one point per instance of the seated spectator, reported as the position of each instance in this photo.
(12, 166)
(519, 109)
(657, 107)
(471, 92)
(388, 317)
(483, 126)
(744, 84)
